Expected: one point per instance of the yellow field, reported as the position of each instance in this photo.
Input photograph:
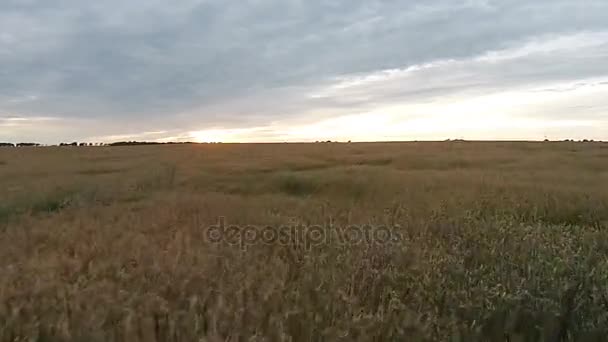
(363, 241)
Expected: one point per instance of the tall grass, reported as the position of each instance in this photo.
(496, 242)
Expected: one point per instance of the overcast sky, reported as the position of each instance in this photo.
(302, 70)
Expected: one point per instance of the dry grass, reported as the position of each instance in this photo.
(498, 241)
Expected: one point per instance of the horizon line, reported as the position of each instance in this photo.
(144, 142)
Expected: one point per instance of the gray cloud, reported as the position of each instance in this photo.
(151, 65)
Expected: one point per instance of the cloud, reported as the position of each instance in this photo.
(141, 136)
(114, 67)
(536, 63)
(19, 120)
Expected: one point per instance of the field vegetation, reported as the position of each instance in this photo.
(493, 241)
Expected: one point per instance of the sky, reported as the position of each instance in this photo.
(302, 70)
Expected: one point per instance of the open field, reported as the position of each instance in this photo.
(469, 241)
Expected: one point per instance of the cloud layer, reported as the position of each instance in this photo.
(83, 70)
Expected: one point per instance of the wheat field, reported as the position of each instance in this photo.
(417, 241)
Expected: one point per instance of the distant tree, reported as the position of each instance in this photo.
(27, 144)
(7, 145)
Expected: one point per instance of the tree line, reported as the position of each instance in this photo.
(139, 143)
(87, 144)
(18, 144)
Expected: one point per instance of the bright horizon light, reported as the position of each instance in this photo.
(487, 117)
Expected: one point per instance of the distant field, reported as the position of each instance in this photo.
(429, 241)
